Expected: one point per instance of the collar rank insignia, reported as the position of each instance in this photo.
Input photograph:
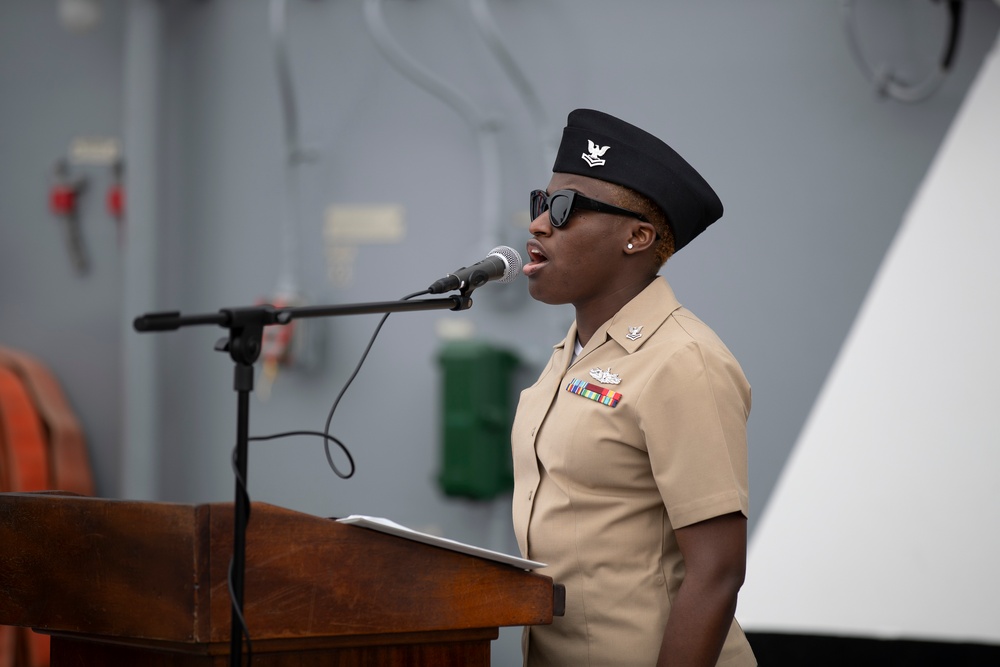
(633, 333)
(595, 159)
(605, 377)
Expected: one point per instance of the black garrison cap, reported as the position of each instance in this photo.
(601, 146)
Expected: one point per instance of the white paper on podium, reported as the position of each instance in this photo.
(393, 528)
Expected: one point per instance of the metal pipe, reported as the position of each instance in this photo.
(140, 440)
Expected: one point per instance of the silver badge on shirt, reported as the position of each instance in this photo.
(605, 377)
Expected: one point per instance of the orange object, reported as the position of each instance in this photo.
(41, 447)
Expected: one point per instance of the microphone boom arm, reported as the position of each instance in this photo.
(267, 314)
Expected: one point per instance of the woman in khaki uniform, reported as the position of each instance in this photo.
(630, 449)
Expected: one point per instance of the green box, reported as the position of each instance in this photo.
(476, 418)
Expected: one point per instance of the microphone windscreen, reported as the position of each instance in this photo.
(513, 261)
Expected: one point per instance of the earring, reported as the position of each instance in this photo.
(629, 246)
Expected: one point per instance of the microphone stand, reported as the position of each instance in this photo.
(246, 330)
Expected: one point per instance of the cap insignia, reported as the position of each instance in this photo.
(595, 159)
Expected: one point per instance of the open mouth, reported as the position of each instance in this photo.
(536, 259)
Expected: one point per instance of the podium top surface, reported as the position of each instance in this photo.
(158, 571)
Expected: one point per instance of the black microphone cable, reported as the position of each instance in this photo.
(325, 433)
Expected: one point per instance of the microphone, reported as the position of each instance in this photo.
(502, 264)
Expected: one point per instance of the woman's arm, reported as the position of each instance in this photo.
(714, 553)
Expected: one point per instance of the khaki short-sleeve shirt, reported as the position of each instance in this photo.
(643, 433)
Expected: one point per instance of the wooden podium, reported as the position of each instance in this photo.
(118, 582)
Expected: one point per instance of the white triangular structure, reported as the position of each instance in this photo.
(885, 522)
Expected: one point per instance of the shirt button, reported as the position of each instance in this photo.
(530, 494)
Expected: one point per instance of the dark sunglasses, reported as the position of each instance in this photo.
(560, 205)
